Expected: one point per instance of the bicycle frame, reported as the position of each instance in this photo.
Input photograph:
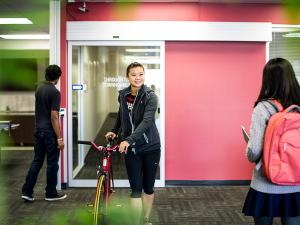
(105, 170)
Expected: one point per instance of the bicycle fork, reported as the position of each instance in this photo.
(111, 174)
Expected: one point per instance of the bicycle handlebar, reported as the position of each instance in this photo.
(84, 142)
(99, 148)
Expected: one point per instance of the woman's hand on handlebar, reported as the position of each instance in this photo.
(123, 147)
(110, 136)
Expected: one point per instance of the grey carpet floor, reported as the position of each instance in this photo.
(184, 205)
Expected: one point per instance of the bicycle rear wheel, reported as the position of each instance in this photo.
(100, 204)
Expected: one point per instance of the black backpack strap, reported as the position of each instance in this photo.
(274, 105)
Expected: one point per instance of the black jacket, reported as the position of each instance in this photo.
(137, 126)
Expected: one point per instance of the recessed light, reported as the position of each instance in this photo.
(292, 35)
(142, 50)
(15, 21)
(26, 36)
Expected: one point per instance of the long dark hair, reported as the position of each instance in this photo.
(279, 82)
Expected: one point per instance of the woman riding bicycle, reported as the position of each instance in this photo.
(140, 139)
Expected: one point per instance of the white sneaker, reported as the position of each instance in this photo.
(27, 198)
(146, 221)
(57, 197)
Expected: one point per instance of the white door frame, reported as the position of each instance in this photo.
(118, 183)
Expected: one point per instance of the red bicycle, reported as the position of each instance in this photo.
(105, 181)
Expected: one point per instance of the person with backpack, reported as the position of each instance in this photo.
(266, 199)
(140, 141)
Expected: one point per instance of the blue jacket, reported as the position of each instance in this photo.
(137, 126)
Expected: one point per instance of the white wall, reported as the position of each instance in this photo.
(17, 101)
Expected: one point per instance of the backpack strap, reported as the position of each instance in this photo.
(276, 105)
(279, 108)
(292, 108)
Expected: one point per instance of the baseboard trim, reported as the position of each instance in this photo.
(206, 182)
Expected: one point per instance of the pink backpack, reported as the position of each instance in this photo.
(281, 157)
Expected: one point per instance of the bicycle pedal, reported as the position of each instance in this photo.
(90, 204)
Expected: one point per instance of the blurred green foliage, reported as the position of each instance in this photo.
(18, 74)
(20, 69)
(119, 213)
(2, 187)
(292, 8)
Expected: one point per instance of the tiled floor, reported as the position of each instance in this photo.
(194, 205)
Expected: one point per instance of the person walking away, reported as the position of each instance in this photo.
(135, 125)
(48, 139)
(266, 200)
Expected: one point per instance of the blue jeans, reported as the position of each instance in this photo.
(45, 144)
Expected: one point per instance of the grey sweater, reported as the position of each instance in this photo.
(261, 114)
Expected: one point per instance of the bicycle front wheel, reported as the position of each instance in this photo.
(100, 204)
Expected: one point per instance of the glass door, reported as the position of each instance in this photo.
(97, 71)
(286, 44)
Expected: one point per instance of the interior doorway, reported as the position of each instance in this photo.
(96, 72)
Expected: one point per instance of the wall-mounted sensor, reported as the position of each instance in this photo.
(83, 8)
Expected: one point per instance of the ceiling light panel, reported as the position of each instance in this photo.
(26, 36)
(142, 50)
(15, 21)
(292, 35)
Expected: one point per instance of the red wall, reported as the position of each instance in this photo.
(210, 86)
(182, 11)
(63, 54)
(210, 90)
